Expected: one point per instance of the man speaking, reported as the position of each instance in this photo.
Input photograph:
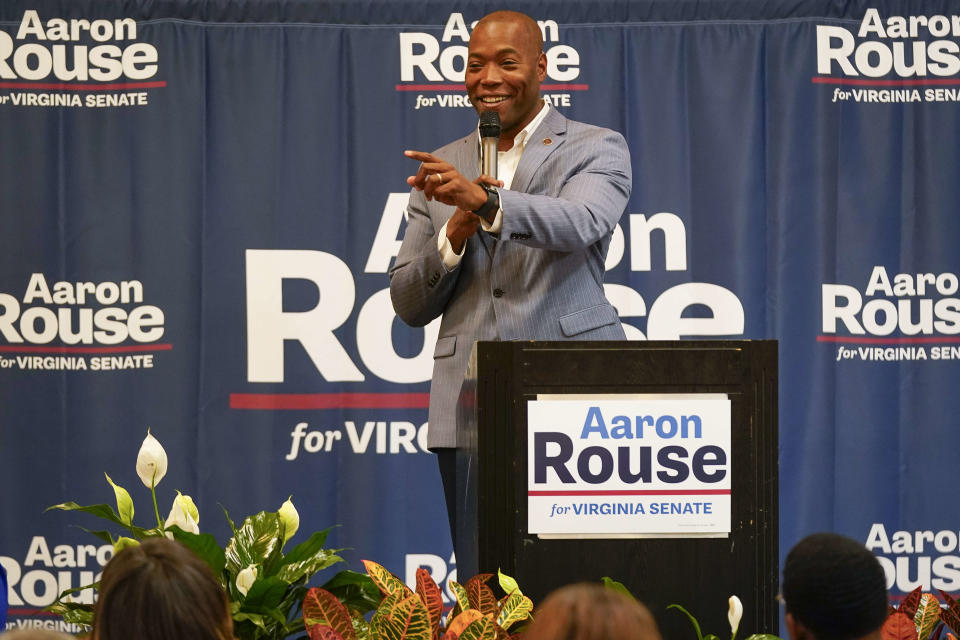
(513, 256)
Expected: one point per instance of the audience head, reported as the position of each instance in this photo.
(160, 590)
(591, 612)
(35, 634)
(834, 589)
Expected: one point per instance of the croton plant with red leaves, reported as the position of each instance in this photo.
(404, 614)
(921, 616)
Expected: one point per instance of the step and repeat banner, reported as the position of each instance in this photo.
(200, 202)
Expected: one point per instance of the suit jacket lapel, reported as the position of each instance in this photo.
(467, 162)
(554, 129)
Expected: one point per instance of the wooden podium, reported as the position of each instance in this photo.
(697, 573)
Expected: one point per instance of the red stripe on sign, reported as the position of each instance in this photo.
(30, 612)
(638, 492)
(329, 400)
(863, 82)
(873, 340)
(127, 348)
(72, 86)
(460, 87)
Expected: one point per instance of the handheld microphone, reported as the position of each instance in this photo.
(489, 137)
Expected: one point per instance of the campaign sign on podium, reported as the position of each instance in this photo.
(629, 465)
(677, 427)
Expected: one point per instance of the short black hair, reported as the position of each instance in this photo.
(834, 587)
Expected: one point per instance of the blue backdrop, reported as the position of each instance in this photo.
(200, 202)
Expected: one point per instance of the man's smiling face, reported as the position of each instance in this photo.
(504, 70)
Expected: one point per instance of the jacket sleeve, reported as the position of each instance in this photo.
(420, 284)
(590, 201)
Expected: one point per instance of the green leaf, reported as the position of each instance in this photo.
(73, 612)
(693, 621)
(73, 590)
(508, 584)
(256, 542)
(122, 543)
(205, 546)
(482, 629)
(307, 548)
(233, 527)
(293, 627)
(265, 595)
(927, 616)
(291, 602)
(124, 501)
(401, 616)
(362, 628)
(255, 618)
(385, 581)
(355, 590)
(59, 606)
(617, 586)
(104, 512)
(514, 608)
(463, 600)
(292, 572)
(101, 534)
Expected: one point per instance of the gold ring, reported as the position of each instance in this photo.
(439, 177)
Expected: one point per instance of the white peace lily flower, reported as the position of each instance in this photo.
(151, 462)
(734, 613)
(290, 519)
(186, 502)
(183, 514)
(246, 578)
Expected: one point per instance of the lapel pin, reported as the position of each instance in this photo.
(547, 141)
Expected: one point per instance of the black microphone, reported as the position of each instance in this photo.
(489, 138)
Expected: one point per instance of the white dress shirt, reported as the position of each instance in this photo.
(507, 162)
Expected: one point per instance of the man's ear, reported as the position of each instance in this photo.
(542, 67)
(795, 629)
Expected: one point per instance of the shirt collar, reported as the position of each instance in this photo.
(520, 141)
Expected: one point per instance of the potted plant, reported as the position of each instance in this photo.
(265, 584)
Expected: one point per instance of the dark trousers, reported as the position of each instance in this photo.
(447, 461)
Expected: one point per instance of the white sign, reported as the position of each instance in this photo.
(629, 465)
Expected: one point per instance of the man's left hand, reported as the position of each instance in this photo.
(440, 181)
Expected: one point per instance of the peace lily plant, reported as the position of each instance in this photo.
(734, 614)
(264, 585)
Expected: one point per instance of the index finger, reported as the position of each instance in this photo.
(422, 156)
(485, 179)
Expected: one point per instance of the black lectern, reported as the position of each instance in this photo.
(699, 573)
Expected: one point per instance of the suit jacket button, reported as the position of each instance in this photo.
(498, 293)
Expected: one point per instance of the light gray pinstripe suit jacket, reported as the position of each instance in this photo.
(546, 265)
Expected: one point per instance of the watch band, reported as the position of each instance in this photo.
(492, 203)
